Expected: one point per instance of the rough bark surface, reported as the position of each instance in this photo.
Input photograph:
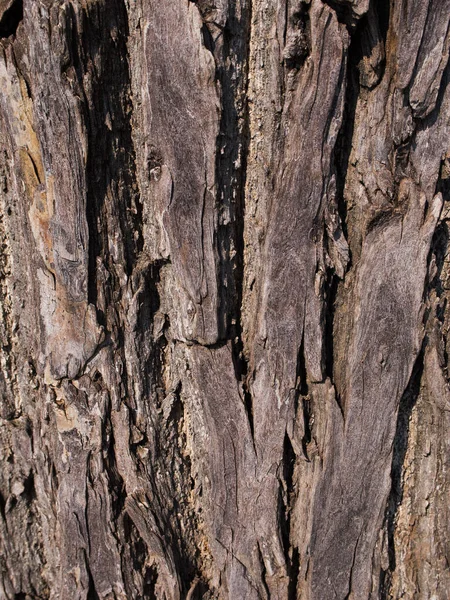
(224, 285)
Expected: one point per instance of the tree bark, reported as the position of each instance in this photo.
(224, 285)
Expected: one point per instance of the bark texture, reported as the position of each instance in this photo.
(224, 285)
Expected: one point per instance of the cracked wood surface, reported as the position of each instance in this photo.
(223, 298)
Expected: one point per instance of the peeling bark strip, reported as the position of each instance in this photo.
(224, 299)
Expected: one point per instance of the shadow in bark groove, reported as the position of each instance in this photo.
(11, 19)
(138, 552)
(231, 171)
(111, 158)
(92, 592)
(330, 308)
(400, 448)
(302, 393)
(297, 38)
(286, 491)
(150, 580)
(232, 147)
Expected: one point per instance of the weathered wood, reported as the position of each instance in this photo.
(224, 299)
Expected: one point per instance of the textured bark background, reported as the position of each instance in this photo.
(224, 279)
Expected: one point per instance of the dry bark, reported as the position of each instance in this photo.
(224, 279)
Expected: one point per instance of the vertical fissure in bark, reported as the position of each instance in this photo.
(344, 141)
(301, 374)
(307, 436)
(150, 581)
(230, 180)
(238, 346)
(400, 447)
(116, 483)
(146, 288)
(178, 521)
(11, 18)
(331, 291)
(383, 11)
(302, 395)
(231, 173)
(297, 36)
(439, 250)
(340, 162)
(111, 164)
(294, 573)
(92, 592)
(286, 491)
(135, 552)
(344, 12)
(241, 372)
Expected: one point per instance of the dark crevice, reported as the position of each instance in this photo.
(443, 184)
(171, 502)
(249, 409)
(439, 252)
(11, 19)
(285, 494)
(73, 56)
(363, 40)
(383, 11)
(116, 484)
(294, 572)
(241, 374)
(92, 592)
(302, 394)
(111, 158)
(240, 361)
(297, 38)
(2, 507)
(231, 170)
(208, 41)
(231, 167)
(213, 346)
(136, 552)
(344, 12)
(285, 505)
(307, 436)
(359, 46)
(301, 376)
(150, 581)
(29, 492)
(330, 309)
(400, 447)
(145, 285)
(112, 198)
(343, 147)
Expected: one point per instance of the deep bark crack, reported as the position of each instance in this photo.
(11, 19)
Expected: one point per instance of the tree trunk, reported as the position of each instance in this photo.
(224, 285)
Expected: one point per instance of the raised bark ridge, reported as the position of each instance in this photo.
(223, 296)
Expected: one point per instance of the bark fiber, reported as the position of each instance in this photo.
(224, 285)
